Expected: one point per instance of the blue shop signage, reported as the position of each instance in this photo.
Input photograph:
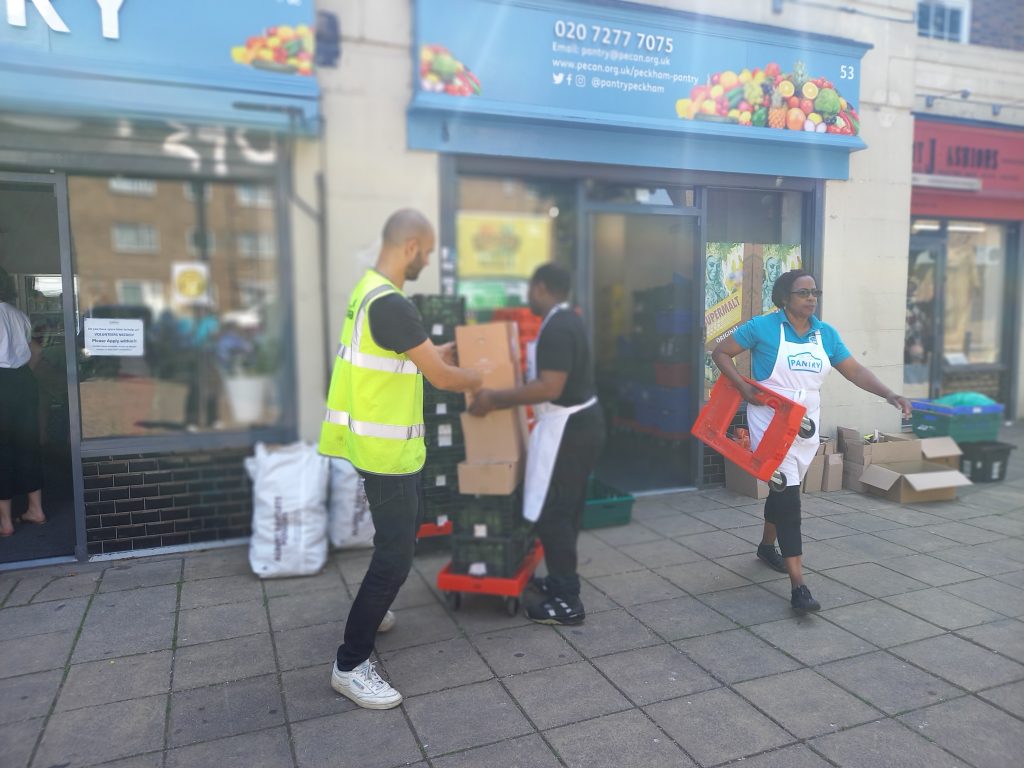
(246, 62)
(584, 81)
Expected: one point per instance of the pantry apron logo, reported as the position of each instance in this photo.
(805, 362)
(109, 10)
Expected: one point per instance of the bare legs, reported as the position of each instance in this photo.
(34, 513)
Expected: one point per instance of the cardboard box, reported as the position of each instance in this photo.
(890, 449)
(828, 446)
(738, 481)
(937, 450)
(496, 478)
(815, 473)
(912, 481)
(487, 345)
(498, 436)
(832, 480)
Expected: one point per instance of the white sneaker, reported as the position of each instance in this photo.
(365, 687)
(388, 622)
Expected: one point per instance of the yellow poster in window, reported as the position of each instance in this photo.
(501, 244)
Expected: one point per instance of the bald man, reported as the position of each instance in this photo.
(375, 420)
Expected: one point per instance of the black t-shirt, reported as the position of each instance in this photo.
(563, 346)
(396, 324)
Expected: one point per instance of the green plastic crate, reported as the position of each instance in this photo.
(965, 424)
(606, 506)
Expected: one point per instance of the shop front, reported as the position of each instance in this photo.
(676, 164)
(963, 292)
(145, 166)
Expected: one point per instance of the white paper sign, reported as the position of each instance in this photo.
(110, 337)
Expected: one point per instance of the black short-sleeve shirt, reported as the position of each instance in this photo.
(396, 324)
(563, 346)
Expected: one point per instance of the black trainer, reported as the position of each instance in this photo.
(770, 555)
(556, 610)
(802, 601)
(539, 584)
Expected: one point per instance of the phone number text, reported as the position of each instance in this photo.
(622, 38)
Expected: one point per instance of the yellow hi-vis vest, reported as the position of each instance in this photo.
(375, 401)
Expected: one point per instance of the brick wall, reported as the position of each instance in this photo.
(160, 500)
(998, 24)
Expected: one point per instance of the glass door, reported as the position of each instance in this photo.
(921, 365)
(35, 434)
(646, 335)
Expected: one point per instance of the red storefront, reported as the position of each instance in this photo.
(963, 297)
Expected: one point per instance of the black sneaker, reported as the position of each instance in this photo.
(802, 601)
(539, 584)
(770, 555)
(555, 610)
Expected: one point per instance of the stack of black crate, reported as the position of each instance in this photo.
(491, 538)
(441, 409)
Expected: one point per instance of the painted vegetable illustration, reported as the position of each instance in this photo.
(770, 98)
(441, 72)
(280, 49)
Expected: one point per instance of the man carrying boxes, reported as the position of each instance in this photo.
(375, 420)
(565, 444)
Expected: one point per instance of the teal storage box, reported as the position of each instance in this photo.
(964, 423)
(606, 506)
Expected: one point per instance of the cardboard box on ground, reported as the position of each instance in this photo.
(824, 474)
(496, 443)
(902, 468)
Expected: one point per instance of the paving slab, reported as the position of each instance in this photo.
(623, 535)
(889, 683)
(226, 561)
(435, 666)
(66, 587)
(865, 522)
(384, 740)
(700, 577)
(222, 622)
(868, 547)
(725, 517)
(49, 651)
(679, 524)
(877, 745)
(748, 605)
(308, 693)
(41, 618)
(972, 730)
(978, 559)
(19, 739)
(661, 552)
(416, 626)
(602, 560)
(796, 756)
(682, 617)
(218, 711)
(1004, 524)
(874, 579)
(583, 693)
(812, 640)
(880, 623)
(966, 533)
(118, 679)
(221, 590)
(749, 567)
(223, 661)
(942, 609)
(28, 696)
(715, 544)
(717, 726)
(524, 649)
(141, 573)
(615, 741)
(328, 579)
(993, 594)
(307, 646)
(106, 732)
(932, 570)
(470, 716)
(661, 672)
(523, 752)
(608, 632)
(1008, 697)
(961, 662)
(820, 528)
(829, 592)
(736, 655)
(1005, 637)
(263, 749)
(635, 588)
(805, 703)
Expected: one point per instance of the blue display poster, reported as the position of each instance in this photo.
(635, 67)
(186, 58)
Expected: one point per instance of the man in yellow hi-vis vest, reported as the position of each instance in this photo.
(375, 420)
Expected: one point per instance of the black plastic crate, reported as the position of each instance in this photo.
(442, 432)
(494, 557)
(480, 517)
(440, 500)
(437, 403)
(985, 462)
(447, 310)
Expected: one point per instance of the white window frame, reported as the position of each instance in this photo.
(121, 247)
(191, 245)
(254, 195)
(265, 245)
(152, 293)
(131, 187)
(964, 6)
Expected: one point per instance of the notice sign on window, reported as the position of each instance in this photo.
(108, 337)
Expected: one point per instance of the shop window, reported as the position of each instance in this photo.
(631, 194)
(505, 229)
(974, 293)
(135, 238)
(254, 196)
(119, 185)
(200, 345)
(945, 20)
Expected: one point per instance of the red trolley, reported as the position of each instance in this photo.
(454, 584)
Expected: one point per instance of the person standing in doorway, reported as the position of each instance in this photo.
(375, 420)
(792, 352)
(565, 444)
(20, 460)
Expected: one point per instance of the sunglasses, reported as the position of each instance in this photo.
(806, 293)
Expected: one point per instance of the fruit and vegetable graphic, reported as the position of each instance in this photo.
(441, 72)
(280, 49)
(770, 98)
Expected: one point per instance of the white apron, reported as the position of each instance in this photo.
(546, 437)
(800, 370)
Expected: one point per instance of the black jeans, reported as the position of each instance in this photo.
(396, 505)
(20, 453)
(559, 523)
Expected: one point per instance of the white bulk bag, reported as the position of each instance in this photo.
(348, 510)
(289, 515)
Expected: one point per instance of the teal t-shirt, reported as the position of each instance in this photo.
(761, 336)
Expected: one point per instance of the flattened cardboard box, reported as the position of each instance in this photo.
(495, 478)
(912, 481)
(888, 451)
(738, 481)
(833, 478)
(937, 450)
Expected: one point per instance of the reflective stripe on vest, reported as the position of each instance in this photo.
(374, 362)
(370, 429)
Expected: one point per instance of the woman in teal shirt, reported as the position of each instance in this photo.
(792, 352)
